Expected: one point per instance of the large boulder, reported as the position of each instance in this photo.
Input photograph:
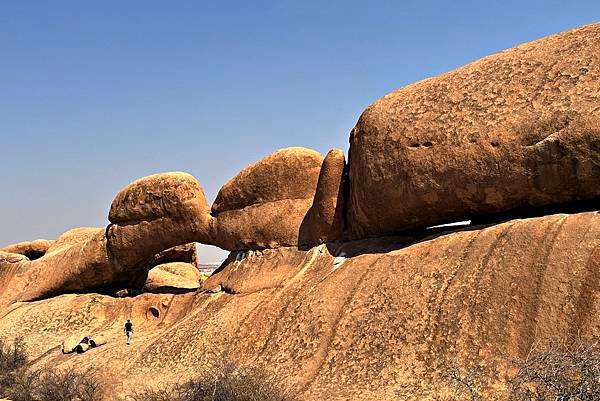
(289, 173)
(173, 276)
(32, 249)
(155, 213)
(264, 205)
(77, 260)
(516, 130)
(325, 219)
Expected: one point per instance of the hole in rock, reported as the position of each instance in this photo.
(153, 312)
(210, 258)
(33, 255)
(428, 144)
(495, 144)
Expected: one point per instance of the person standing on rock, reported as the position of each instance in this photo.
(128, 329)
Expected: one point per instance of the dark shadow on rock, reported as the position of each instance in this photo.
(411, 237)
(171, 290)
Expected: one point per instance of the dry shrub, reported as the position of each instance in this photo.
(18, 383)
(561, 371)
(56, 385)
(466, 383)
(227, 382)
(12, 358)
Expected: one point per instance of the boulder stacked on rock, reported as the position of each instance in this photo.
(516, 130)
(264, 205)
(155, 213)
(181, 253)
(174, 276)
(325, 219)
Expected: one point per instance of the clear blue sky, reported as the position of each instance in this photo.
(96, 94)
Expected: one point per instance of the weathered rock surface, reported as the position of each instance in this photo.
(382, 323)
(76, 260)
(155, 213)
(324, 221)
(516, 130)
(80, 260)
(174, 275)
(265, 204)
(182, 253)
(289, 173)
(32, 249)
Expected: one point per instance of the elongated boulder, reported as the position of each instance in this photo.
(78, 259)
(175, 275)
(516, 130)
(264, 205)
(325, 219)
(32, 249)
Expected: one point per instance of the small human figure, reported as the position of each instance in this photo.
(128, 330)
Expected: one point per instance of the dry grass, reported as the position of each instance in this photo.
(12, 358)
(17, 383)
(227, 382)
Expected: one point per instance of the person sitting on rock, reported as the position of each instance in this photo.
(128, 329)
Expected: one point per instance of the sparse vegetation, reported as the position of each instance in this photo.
(466, 383)
(559, 371)
(563, 372)
(12, 358)
(227, 382)
(18, 383)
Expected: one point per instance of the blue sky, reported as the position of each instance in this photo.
(96, 94)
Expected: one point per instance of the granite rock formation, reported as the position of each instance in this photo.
(516, 130)
(173, 277)
(354, 317)
(31, 249)
(265, 204)
(384, 323)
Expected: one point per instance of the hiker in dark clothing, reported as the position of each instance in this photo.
(128, 330)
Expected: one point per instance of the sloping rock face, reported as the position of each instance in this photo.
(383, 323)
(516, 130)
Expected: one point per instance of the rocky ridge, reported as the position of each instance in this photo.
(334, 279)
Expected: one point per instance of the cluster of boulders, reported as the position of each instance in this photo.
(513, 131)
(80, 344)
